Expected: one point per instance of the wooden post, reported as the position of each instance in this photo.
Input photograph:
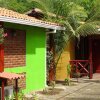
(90, 59)
(3, 89)
(1, 52)
(16, 88)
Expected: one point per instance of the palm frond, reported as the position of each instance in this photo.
(95, 17)
(41, 5)
(87, 29)
(69, 28)
(78, 11)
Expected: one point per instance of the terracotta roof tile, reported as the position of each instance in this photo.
(10, 76)
(12, 14)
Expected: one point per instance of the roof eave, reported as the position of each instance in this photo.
(30, 23)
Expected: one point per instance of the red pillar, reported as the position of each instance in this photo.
(3, 89)
(2, 63)
(1, 53)
(90, 59)
(1, 58)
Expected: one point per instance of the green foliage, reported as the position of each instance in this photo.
(16, 5)
(59, 41)
(53, 83)
(35, 97)
(93, 20)
(67, 81)
(13, 97)
(1, 35)
(20, 95)
(68, 70)
(49, 58)
(67, 12)
(87, 28)
(71, 12)
(49, 62)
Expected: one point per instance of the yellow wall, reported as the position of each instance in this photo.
(67, 54)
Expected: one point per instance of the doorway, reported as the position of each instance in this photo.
(96, 55)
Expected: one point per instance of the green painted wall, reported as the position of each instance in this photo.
(35, 57)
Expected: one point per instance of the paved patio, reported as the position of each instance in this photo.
(89, 92)
(96, 76)
(85, 89)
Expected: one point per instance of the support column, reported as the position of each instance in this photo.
(1, 58)
(3, 89)
(1, 52)
(16, 88)
(90, 59)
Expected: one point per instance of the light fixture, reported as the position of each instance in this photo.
(99, 29)
(13, 32)
(51, 31)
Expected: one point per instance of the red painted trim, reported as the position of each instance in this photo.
(79, 60)
(1, 58)
(80, 66)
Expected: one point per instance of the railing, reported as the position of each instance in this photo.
(80, 68)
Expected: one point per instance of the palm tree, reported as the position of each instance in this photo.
(92, 22)
(74, 13)
(67, 12)
(79, 17)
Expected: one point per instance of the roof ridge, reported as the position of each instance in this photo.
(15, 14)
(10, 14)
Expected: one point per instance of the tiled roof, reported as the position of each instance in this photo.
(15, 15)
(10, 76)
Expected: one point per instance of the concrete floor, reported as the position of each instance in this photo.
(89, 92)
(96, 76)
(85, 89)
